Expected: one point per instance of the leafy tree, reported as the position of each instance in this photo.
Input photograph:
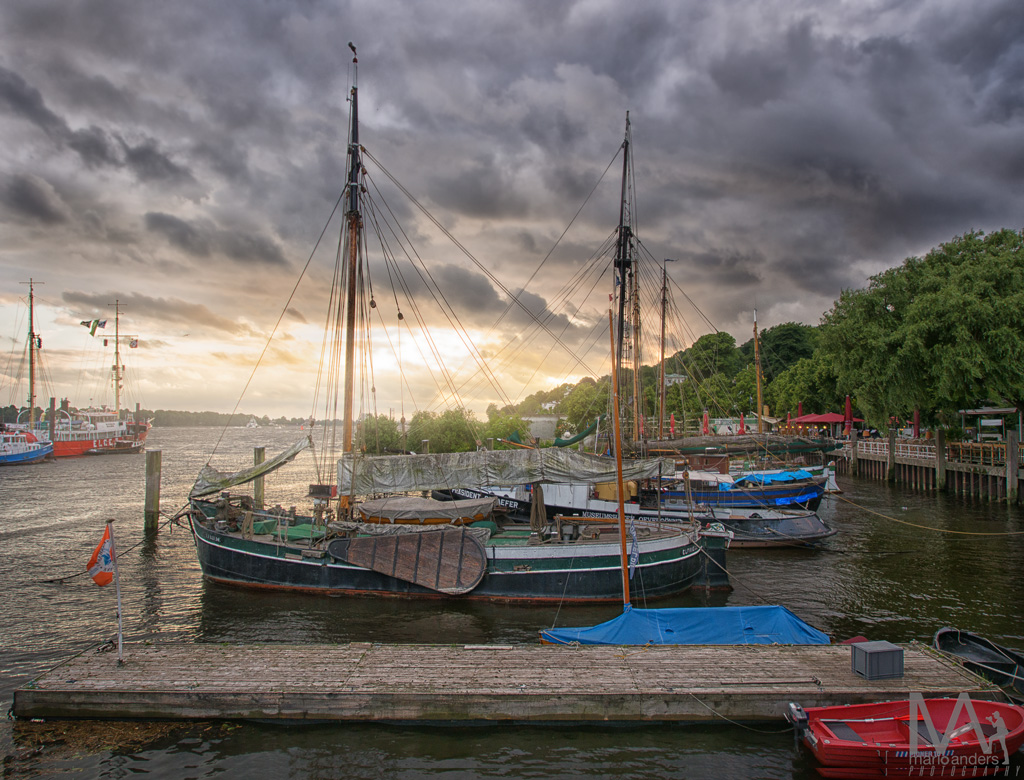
(585, 402)
(378, 435)
(810, 382)
(712, 353)
(455, 430)
(938, 334)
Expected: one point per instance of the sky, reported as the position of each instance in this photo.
(182, 159)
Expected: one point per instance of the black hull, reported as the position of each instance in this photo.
(283, 567)
(1001, 665)
(748, 532)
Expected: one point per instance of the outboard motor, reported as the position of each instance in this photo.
(795, 715)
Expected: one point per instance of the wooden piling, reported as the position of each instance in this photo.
(890, 471)
(1012, 466)
(854, 463)
(152, 511)
(259, 454)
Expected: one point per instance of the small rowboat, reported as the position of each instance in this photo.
(919, 737)
(1001, 665)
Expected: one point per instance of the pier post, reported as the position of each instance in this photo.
(890, 471)
(152, 510)
(940, 460)
(259, 454)
(1012, 466)
(854, 464)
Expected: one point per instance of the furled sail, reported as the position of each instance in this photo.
(211, 481)
(440, 471)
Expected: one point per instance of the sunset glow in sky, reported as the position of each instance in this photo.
(183, 158)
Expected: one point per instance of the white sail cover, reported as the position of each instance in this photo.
(441, 471)
(211, 481)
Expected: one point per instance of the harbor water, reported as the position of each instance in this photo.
(902, 565)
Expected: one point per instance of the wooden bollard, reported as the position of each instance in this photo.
(259, 454)
(152, 512)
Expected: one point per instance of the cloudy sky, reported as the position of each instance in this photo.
(183, 158)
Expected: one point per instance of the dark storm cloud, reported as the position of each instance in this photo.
(200, 237)
(34, 198)
(185, 236)
(166, 311)
(27, 102)
(783, 148)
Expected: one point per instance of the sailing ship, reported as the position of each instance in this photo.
(88, 431)
(330, 551)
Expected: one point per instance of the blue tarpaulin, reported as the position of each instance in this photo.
(771, 625)
(768, 479)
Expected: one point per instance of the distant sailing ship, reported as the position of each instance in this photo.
(90, 431)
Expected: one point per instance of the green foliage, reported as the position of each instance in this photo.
(810, 382)
(379, 435)
(937, 334)
(712, 353)
(585, 402)
(456, 430)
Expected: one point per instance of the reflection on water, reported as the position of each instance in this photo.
(877, 577)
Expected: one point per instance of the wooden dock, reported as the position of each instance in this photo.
(445, 683)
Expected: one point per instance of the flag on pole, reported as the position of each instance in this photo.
(93, 324)
(101, 564)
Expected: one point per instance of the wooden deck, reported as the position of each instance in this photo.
(444, 683)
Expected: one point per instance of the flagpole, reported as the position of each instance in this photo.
(117, 589)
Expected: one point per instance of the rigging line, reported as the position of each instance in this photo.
(483, 269)
(930, 527)
(277, 324)
(421, 319)
(529, 337)
(520, 345)
(558, 241)
(439, 297)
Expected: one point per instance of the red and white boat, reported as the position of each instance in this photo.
(94, 431)
(919, 737)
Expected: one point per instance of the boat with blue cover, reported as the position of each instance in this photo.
(755, 625)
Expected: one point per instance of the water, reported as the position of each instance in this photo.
(880, 577)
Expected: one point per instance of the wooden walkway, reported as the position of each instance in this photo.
(445, 683)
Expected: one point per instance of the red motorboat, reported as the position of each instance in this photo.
(916, 737)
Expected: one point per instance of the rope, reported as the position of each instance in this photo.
(930, 527)
(119, 552)
(717, 714)
(730, 575)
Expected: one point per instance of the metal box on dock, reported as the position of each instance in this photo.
(877, 660)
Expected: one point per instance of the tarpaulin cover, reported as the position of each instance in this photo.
(211, 481)
(780, 476)
(773, 625)
(416, 509)
(441, 471)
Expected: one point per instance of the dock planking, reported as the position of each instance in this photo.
(442, 683)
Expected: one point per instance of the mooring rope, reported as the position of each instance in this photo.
(930, 527)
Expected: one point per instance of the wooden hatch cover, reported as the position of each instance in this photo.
(448, 560)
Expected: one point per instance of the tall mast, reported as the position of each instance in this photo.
(623, 260)
(33, 345)
(661, 381)
(353, 219)
(757, 369)
(117, 356)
